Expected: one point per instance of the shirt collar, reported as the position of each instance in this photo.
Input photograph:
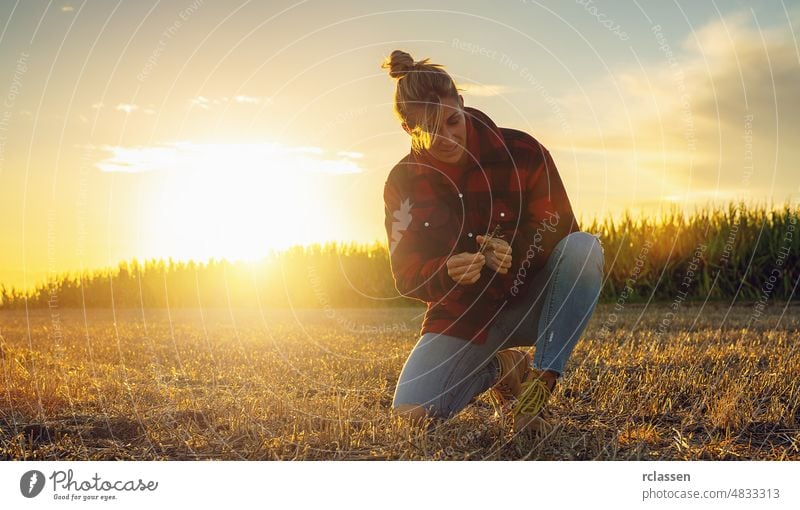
(484, 140)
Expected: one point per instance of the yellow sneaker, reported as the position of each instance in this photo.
(529, 412)
(514, 368)
(519, 396)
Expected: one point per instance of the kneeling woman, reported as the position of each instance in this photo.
(481, 229)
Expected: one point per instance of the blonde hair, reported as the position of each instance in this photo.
(419, 84)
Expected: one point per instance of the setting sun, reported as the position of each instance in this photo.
(233, 200)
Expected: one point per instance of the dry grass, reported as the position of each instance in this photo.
(276, 386)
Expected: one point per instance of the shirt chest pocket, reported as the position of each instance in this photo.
(504, 214)
(433, 228)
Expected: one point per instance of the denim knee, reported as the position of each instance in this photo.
(583, 252)
(443, 374)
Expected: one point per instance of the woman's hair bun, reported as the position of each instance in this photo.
(418, 83)
(399, 64)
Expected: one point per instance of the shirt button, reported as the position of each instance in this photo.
(470, 234)
(426, 223)
(502, 214)
(460, 195)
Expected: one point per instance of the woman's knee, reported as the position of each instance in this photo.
(415, 406)
(413, 412)
(584, 252)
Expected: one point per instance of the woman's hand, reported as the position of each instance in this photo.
(498, 254)
(465, 268)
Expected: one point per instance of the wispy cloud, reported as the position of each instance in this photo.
(486, 90)
(219, 157)
(350, 154)
(207, 103)
(251, 99)
(200, 101)
(126, 107)
(700, 123)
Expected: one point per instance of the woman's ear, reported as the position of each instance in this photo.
(406, 128)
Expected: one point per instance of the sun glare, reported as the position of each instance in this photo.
(231, 200)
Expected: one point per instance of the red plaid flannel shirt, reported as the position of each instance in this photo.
(434, 211)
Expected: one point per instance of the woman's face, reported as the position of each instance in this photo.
(450, 143)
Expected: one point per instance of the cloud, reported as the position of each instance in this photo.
(709, 119)
(127, 108)
(207, 103)
(485, 90)
(220, 157)
(349, 154)
(251, 99)
(200, 101)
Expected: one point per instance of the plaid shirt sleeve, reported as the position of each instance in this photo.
(415, 275)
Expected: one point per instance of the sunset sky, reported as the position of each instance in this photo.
(200, 128)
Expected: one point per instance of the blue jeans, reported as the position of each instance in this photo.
(445, 373)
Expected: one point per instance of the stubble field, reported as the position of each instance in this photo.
(101, 384)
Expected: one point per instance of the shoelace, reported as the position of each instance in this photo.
(532, 399)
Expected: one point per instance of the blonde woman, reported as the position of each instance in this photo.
(480, 228)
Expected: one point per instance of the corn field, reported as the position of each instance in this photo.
(736, 253)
